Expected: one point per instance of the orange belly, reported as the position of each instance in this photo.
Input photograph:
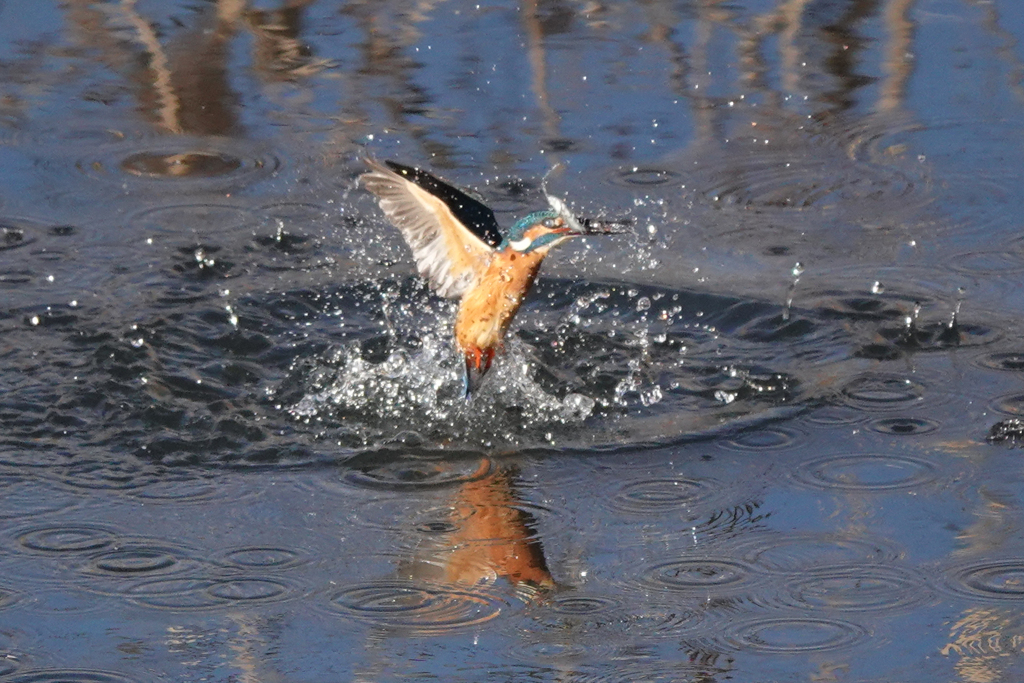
(486, 311)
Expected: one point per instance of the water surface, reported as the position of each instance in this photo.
(768, 434)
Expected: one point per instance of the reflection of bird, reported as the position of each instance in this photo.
(459, 250)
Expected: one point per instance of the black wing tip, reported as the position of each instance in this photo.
(404, 170)
(476, 216)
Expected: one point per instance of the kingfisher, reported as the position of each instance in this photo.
(461, 252)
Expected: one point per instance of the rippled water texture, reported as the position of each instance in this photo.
(771, 433)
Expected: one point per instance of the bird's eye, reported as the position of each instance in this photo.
(549, 222)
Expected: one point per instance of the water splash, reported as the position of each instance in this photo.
(590, 365)
(796, 272)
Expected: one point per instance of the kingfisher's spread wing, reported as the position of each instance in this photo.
(452, 235)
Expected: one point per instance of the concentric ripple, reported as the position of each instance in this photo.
(865, 472)
(16, 233)
(1001, 580)
(579, 605)
(181, 161)
(903, 426)
(1008, 361)
(852, 588)
(130, 559)
(700, 576)
(418, 608)
(764, 439)
(68, 676)
(1010, 404)
(263, 557)
(204, 593)
(72, 538)
(657, 496)
(792, 635)
(411, 472)
(879, 391)
(170, 219)
(802, 551)
(646, 176)
(27, 497)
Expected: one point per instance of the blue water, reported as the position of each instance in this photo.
(769, 434)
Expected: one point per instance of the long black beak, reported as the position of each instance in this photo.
(605, 226)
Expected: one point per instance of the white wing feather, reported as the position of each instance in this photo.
(447, 254)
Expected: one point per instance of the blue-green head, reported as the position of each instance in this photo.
(545, 229)
(537, 230)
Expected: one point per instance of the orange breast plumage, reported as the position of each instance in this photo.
(486, 310)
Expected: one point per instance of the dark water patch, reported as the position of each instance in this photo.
(15, 234)
(207, 593)
(865, 472)
(305, 375)
(1010, 404)
(903, 426)
(898, 313)
(784, 180)
(1009, 361)
(416, 609)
